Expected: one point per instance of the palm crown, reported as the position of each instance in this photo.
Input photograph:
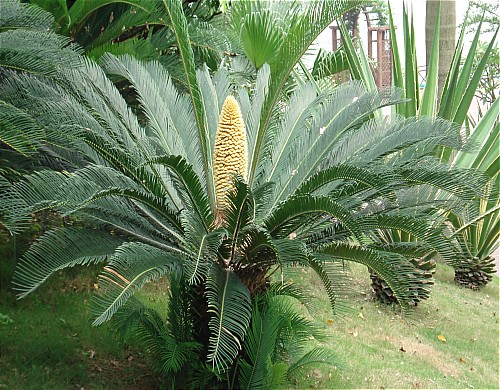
(323, 176)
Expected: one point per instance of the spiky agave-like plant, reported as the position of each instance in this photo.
(323, 176)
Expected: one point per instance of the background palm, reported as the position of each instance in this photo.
(323, 177)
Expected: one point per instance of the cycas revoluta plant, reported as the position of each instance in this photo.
(22, 28)
(159, 191)
(453, 104)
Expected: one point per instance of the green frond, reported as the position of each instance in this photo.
(238, 212)
(253, 113)
(142, 197)
(302, 26)
(303, 106)
(147, 177)
(142, 49)
(429, 232)
(405, 139)
(58, 249)
(230, 312)
(130, 267)
(204, 247)
(21, 50)
(18, 130)
(176, 355)
(329, 63)
(35, 192)
(263, 196)
(295, 331)
(169, 113)
(465, 184)
(21, 15)
(209, 41)
(168, 353)
(261, 35)
(260, 342)
(289, 252)
(214, 90)
(260, 248)
(91, 185)
(179, 27)
(328, 121)
(333, 275)
(289, 215)
(410, 250)
(82, 9)
(151, 13)
(289, 289)
(389, 266)
(314, 357)
(366, 176)
(188, 186)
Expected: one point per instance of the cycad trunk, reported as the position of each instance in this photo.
(447, 34)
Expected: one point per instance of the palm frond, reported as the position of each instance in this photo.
(161, 104)
(188, 184)
(21, 15)
(169, 354)
(238, 213)
(289, 289)
(130, 267)
(390, 266)
(21, 50)
(414, 137)
(329, 63)
(18, 130)
(314, 357)
(289, 215)
(369, 178)
(61, 248)
(230, 312)
(303, 26)
(463, 183)
(204, 247)
(214, 90)
(259, 345)
(334, 277)
(179, 26)
(81, 10)
(343, 112)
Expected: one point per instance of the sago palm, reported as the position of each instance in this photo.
(461, 84)
(222, 187)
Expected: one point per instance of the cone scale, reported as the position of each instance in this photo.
(230, 151)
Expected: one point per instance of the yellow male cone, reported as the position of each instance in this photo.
(230, 150)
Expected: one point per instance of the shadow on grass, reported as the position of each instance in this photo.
(47, 340)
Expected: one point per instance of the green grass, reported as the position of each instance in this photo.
(47, 341)
(383, 350)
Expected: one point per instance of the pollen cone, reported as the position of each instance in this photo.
(230, 150)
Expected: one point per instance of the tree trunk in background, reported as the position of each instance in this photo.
(447, 34)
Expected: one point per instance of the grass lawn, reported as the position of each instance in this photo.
(47, 342)
(449, 341)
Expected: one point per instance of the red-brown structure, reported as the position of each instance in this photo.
(379, 50)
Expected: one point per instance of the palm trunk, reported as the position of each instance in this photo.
(446, 37)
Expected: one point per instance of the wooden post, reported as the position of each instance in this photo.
(380, 56)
